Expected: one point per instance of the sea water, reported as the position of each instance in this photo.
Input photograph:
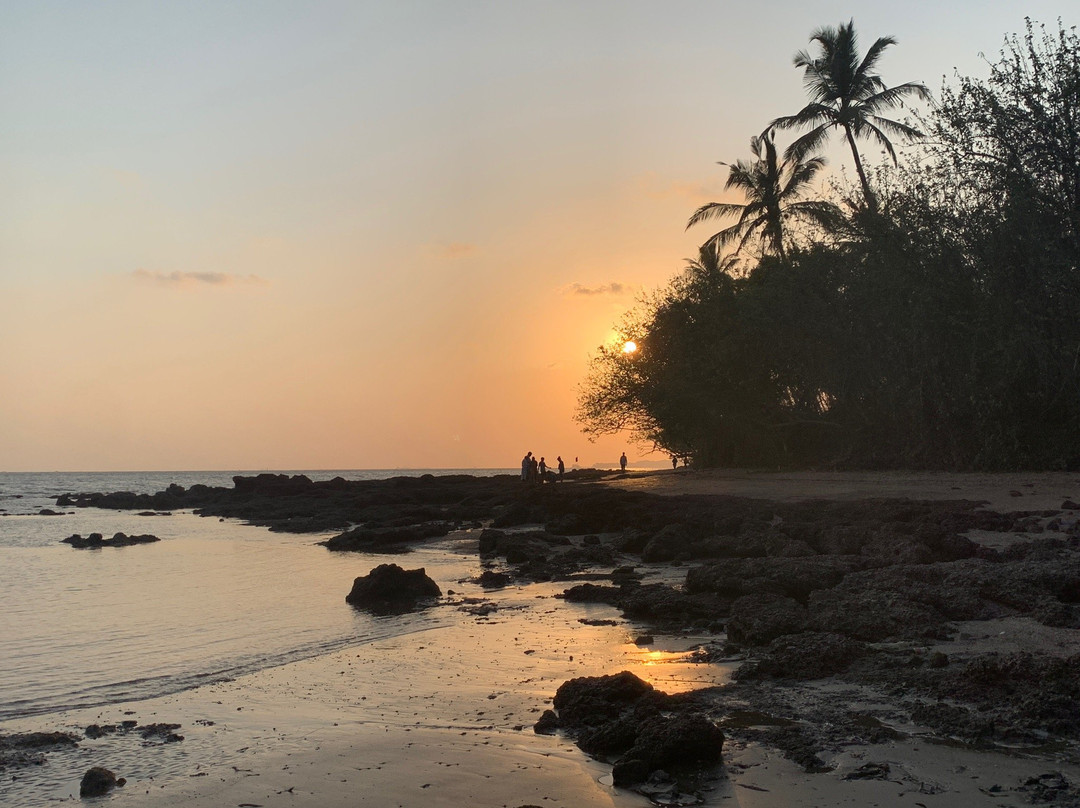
(212, 600)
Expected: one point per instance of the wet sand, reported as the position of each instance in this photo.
(1018, 491)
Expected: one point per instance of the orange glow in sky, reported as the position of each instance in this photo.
(370, 234)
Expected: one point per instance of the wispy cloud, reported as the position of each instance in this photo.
(613, 288)
(694, 193)
(453, 250)
(189, 279)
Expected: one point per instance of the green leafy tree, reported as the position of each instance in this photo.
(847, 94)
(773, 190)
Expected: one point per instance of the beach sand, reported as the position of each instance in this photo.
(444, 716)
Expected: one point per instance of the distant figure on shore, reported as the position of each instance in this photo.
(622, 462)
(674, 462)
(542, 468)
(562, 467)
(533, 475)
(526, 463)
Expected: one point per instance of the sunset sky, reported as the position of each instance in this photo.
(372, 234)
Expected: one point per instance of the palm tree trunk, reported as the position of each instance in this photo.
(871, 200)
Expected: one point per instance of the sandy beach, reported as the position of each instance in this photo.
(445, 715)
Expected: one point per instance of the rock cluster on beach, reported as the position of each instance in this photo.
(858, 593)
(647, 732)
(95, 540)
(389, 589)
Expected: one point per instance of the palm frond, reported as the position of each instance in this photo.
(873, 55)
(714, 210)
(810, 142)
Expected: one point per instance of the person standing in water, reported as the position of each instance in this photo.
(622, 462)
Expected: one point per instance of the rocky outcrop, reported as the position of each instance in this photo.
(389, 589)
(29, 748)
(98, 781)
(95, 540)
(624, 716)
(387, 539)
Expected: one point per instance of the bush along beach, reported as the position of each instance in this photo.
(923, 317)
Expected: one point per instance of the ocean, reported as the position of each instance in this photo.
(213, 600)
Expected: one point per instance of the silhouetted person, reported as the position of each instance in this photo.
(526, 462)
(674, 462)
(622, 462)
(533, 476)
(542, 468)
(562, 467)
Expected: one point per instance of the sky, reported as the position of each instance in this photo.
(332, 235)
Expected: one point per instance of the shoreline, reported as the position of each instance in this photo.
(306, 733)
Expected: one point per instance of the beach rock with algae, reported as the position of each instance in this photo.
(118, 540)
(389, 589)
(98, 781)
(622, 715)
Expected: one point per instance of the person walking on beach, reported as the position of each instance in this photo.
(622, 462)
(526, 462)
(562, 467)
(674, 462)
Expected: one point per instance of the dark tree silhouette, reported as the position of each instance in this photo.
(846, 93)
(772, 189)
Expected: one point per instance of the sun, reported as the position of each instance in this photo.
(629, 347)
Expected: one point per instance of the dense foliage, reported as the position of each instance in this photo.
(937, 326)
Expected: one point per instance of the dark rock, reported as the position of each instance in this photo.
(489, 579)
(593, 593)
(162, 732)
(29, 748)
(592, 700)
(547, 724)
(794, 577)
(811, 655)
(97, 782)
(629, 771)
(49, 512)
(760, 618)
(386, 539)
(644, 639)
(668, 543)
(389, 589)
(678, 740)
(95, 540)
(663, 604)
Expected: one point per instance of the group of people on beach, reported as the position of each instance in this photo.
(538, 471)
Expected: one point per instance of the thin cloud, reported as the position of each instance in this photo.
(176, 279)
(453, 250)
(695, 193)
(613, 288)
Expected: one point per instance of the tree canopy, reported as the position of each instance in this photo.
(940, 330)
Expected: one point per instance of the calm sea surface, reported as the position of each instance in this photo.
(213, 599)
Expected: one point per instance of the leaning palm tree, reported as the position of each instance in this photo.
(847, 94)
(772, 189)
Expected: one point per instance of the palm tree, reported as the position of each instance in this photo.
(772, 190)
(846, 93)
